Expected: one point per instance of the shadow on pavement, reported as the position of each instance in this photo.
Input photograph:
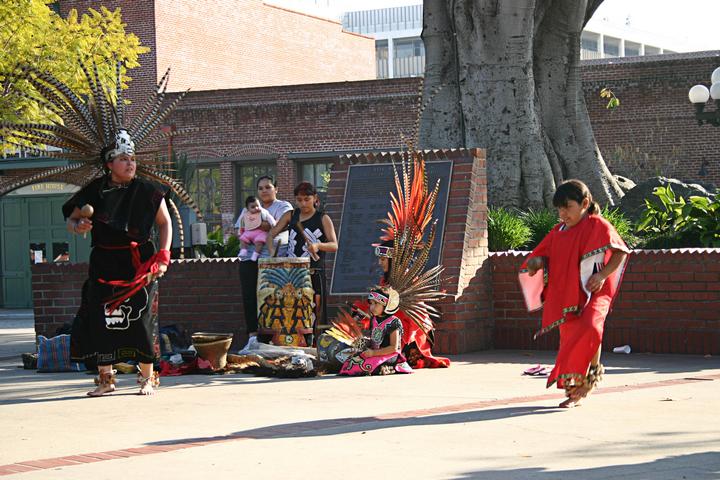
(340, 426)
(615, 364)
(695, 466)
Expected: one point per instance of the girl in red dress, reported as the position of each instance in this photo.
(581, 262)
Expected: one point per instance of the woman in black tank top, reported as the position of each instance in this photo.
(312, 233)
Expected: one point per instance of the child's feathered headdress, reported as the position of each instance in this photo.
(412, 212)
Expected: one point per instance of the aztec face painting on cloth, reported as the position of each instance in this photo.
(285, 300)
(130, 310)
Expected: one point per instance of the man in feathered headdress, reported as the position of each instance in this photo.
(119, 203)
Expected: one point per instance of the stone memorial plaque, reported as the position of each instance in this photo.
(367, 200)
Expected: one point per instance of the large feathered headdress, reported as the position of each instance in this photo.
(406, 226)
(88, 130)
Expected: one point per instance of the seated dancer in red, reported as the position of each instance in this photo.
(117, 319)
(582, 261)
(416, 342)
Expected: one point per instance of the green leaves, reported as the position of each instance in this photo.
(623, 226)
(31, 33)
(513, 230)
(540, 221)
(613, 101)
(694, 222)
(218, 247)
(506, 230)
(669, 221)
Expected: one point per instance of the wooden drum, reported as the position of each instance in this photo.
(285, 299)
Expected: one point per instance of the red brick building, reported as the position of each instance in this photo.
(215, 44)
(296, 131)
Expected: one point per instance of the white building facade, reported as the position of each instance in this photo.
(400, 51)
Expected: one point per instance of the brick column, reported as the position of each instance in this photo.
(286, 178)
(227, 191)
(467, 321)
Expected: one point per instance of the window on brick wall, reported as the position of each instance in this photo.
(632, 49)
(589, 46)
(381, 58)
(409, 58)
(611, 47)
(246, 176)
(317, 173)
(204, 187)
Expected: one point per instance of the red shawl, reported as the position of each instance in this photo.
(571, 256)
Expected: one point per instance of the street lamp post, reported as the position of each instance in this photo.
(700, 94)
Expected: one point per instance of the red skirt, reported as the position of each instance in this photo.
(580, 338)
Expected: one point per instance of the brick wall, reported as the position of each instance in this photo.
(56, 294)
(669, 302)
(198, 295)
(245, 43)
(655, 125)
(274, 123)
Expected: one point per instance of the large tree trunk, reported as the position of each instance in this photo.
(509, 81)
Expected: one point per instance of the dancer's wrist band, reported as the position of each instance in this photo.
(163, 256)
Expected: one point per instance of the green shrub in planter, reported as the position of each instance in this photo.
(623, 226)
(506, 230)
(693, 223)
(217, 247)
(540, 222)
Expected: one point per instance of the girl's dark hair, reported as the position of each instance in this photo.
(305, 188)
(270, 180)
(577, 191)
(250, 200)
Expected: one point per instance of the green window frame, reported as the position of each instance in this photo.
(316, 172)
(204, 188)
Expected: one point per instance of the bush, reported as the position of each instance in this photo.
(506, 230)
(673, 220)
(217, 247)
(623, 226)
(540, 222)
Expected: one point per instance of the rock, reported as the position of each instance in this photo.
(632, 204)
(624, 183)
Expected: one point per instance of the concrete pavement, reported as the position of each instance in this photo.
(655, 417)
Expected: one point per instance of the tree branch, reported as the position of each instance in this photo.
(590, 10)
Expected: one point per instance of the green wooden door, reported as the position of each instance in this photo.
(33, 230)
(15, 260)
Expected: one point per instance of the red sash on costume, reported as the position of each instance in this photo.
(151, 266)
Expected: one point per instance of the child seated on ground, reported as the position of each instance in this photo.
(250, 232)
(384, 354)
